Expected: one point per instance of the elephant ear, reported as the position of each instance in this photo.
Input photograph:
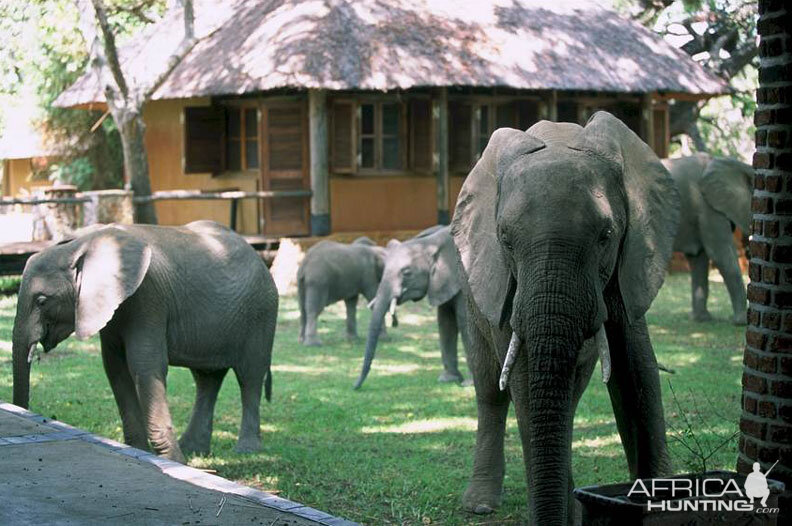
(378, 255)
(109, 267)
(727, 186)
(444, 278)
(474, 227)
(652, 208)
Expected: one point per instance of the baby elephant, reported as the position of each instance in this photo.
(196, 296)
(333, 272)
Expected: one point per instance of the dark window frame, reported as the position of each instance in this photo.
(485, 108)
(378, 136)
(242, 138)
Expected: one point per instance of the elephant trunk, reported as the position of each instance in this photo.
(20, 355)
(549, 443)
(382, 303)
(551, 312)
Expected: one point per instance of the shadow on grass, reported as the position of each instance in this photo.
(400, 450)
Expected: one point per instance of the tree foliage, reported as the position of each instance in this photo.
(41, 54)
(721, 36)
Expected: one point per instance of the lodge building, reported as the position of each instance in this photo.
(380, 109)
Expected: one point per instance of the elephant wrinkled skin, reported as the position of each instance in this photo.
(715, 194)
(196, 296)
(563, 234)
(333, 272)
(422, 266)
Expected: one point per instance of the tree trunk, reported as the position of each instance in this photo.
(136, 169)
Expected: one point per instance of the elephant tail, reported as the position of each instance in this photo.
(268, 384)
(301, 299)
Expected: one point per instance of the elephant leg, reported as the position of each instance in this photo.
(634, 390)
(485, 488)
(699, 286)
(447, 323)
(351, 318)
(726, 260)
(718, 239)
(117, 370)
(314, 304)
(149, 368)
(460, 311)
(198, 436)
(250, 380)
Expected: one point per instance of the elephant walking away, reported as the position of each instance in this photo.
(196, 296)
(564, 234)
(334, 272)
(715, 195)
(424, 265)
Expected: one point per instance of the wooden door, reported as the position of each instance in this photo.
(284, 129)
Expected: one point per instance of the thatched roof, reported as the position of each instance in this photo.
(257, 45)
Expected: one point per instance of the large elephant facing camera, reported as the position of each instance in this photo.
(715, 194)
(564, 234)
(424, 266)
(196, 296)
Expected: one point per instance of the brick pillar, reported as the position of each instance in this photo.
(766, 422)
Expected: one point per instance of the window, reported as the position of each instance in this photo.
(242, 146)
(380, 136)
(471, 125)
(519, 114)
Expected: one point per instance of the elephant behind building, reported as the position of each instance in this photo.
(563, 234)
(196, 296)
(332, 272)
(715, 195)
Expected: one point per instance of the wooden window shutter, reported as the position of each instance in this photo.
(421, 135)
(204, 129)
(342, 139)
(285, 141)
(460, 150)
(528, 112)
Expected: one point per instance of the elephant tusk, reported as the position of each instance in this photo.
(392, 312)
(508, 362)
(604, 353)
(371, 303)
(32, 351)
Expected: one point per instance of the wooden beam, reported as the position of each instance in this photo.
(647, 120)
(319, 155)
(440, 113)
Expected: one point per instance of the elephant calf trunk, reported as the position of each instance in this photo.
(21, 365)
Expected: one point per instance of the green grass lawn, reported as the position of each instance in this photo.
(400, 450)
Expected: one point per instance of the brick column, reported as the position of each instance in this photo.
(766, 422)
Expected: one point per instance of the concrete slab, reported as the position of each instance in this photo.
(54, 474)
(12, 426)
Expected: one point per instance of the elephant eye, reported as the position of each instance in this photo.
(606, 234)
(506, 242)
(41, 300)
(406, 271)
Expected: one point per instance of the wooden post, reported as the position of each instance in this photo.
(647, 120)
(440, 114)
(320, 172)
(232, 222)
(552, 107)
